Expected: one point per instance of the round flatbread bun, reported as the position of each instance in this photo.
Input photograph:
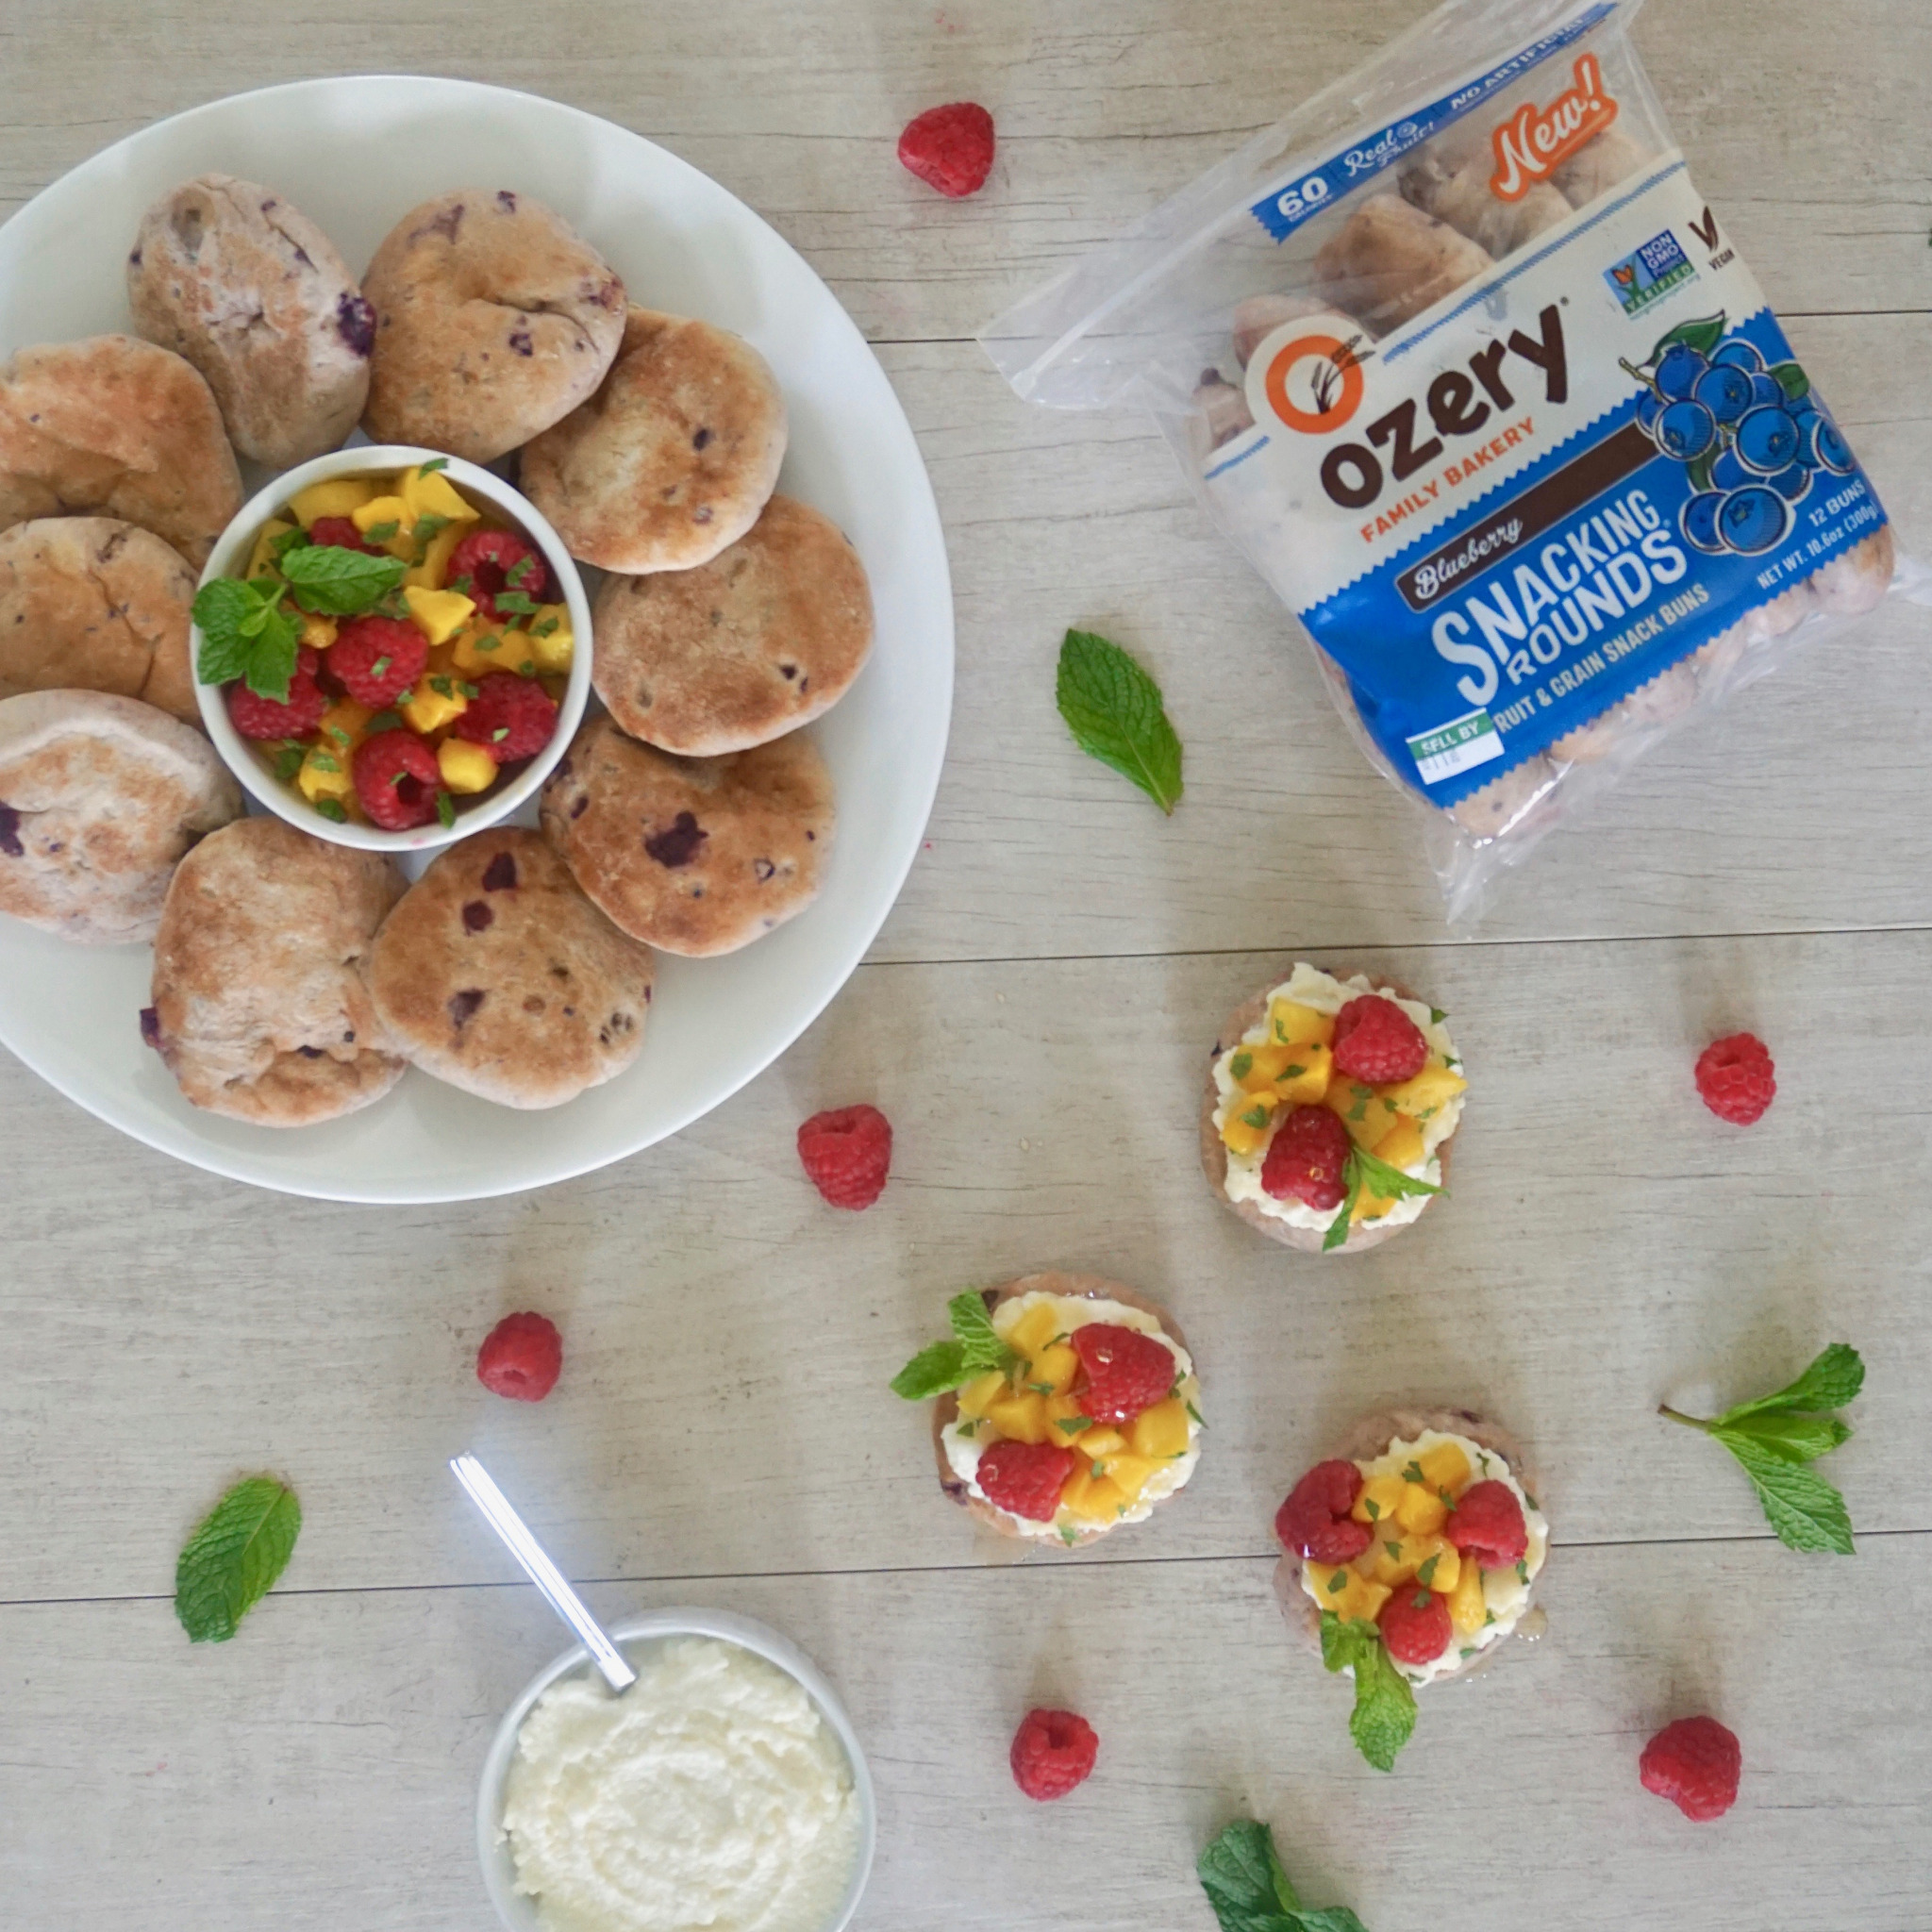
(260, 1009)
(93, 604)
(497, 974)
(740, 650)
(673, 459)
(693, 856)
(114, 427)
(492, 319)
(100, 796)
(1366, 1234)
(1372, 1437)
(232, 276)
(946, 1409)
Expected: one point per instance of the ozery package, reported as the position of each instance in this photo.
(1464, 363)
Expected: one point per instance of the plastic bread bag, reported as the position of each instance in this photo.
(1463, 362)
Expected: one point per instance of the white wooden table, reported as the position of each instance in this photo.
(1033, 1019)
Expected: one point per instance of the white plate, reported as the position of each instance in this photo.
(354, 155)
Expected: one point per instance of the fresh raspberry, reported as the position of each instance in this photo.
(846, 1154)
(486, 557)
(1053, 1751)
(377, 658)
(340, 534)
(1735, 1078)
(1306, 1157)
(1026, 1478)
(1377, 1041)
(1314, 1520)
(949, 148)
(1695, 1763)
(1126, 1371)
(396, 779)
(260, 717)
(511, 716)
(1487, 1522)
(1415, 1626)
(520, 1357)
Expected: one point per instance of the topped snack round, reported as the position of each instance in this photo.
(433, 559)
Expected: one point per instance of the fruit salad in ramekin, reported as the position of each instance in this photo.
(384, 650)
(1067, 1406)
(1410, 1558)
(1330, 1108)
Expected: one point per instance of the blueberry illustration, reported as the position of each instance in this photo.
(1727, 472)
(1698, 521)
(1792, 484)
(1740, 355)
(1677, 373)
(1766, 390)
(1650, 407)
(1834, 452)
(1685, 430)
(1767, 440)
(1809, 428)
(1754, 520)
(1724, 390)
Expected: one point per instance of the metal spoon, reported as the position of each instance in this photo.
(548, 1578)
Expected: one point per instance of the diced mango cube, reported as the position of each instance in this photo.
(432, 494)
(338, 497)
(1371, 1205)
(261, 559)
(1254, 1068)
(318, 632)
(468, 768)
(1290, 1022)
(1245, 1129)
(1091, 1498)
(1377, 1500)
(1161, 1432)
(1036, 1330)
(380, 513)
(1307, 1075)
(434, 703)
(1366, 1115)
(982, 1391)
(1342, 1590)
(1098, 1442)
(324, 773)
(1022, 1419)
(438, 614)
(1395, 1558)
(1052, 1371)
(1131, 1474)
(432, 572)
(1444, 1467)
(1426, 1093)
(553, 643)
(1467, 1609)
(1402, 1145)
(1441, 1569)
(1421, 1509)
(343, 726)
(480, 649)
(1063, 1412)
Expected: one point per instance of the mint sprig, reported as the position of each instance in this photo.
(1774, 1437)
(1115, 712)
(1383, 1720)
(1384, 1181)
(234, 1556)
(338, 582)
(1241, 1873)
(974, 1349)
(247, 634)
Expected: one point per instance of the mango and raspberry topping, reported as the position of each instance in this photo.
(1073, 1412)
(418, 616)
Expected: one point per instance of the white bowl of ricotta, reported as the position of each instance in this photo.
(726, 1790)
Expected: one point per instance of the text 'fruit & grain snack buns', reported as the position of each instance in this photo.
(1462, 360)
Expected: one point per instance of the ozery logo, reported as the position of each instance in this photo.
(1314, 383)
(1535, 142)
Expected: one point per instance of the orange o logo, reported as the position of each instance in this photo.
(1341, 373)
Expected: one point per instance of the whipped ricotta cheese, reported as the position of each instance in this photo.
(1506, 1592)
(963, 1450)
(712, 1794)
(1308, 986)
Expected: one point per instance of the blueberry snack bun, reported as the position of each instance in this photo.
(764, 638)
(1389, 261)
(493, 318)
(1369, 1117)
(1067, 1531)
(259, 1008)
(495, 974)
(675, 455)
(238, 281)
(693, 856)
(100, 797)
(115, 426)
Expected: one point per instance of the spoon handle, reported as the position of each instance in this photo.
(548, 1578)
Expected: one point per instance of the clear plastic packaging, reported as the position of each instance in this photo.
(1472, 375)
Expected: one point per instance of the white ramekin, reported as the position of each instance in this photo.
(516, 1909)
(230, 556)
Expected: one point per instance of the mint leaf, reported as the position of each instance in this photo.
(1794, 1438)
(220, 609)
(1803, 1510)
(1833, 1379)
(931, 1372)
(234, 1556)
(974, 1330)
(285, 540)
(337, 582)
(446, 809)
(1243, 1877)
(1115, 712)
(1329, 1919)
(518, 601)
(434, 464)
(272, 657)
(1383, 1720)
(1386, 1180)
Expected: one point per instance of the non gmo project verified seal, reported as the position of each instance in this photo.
(1455, 747)
(1650, 274)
